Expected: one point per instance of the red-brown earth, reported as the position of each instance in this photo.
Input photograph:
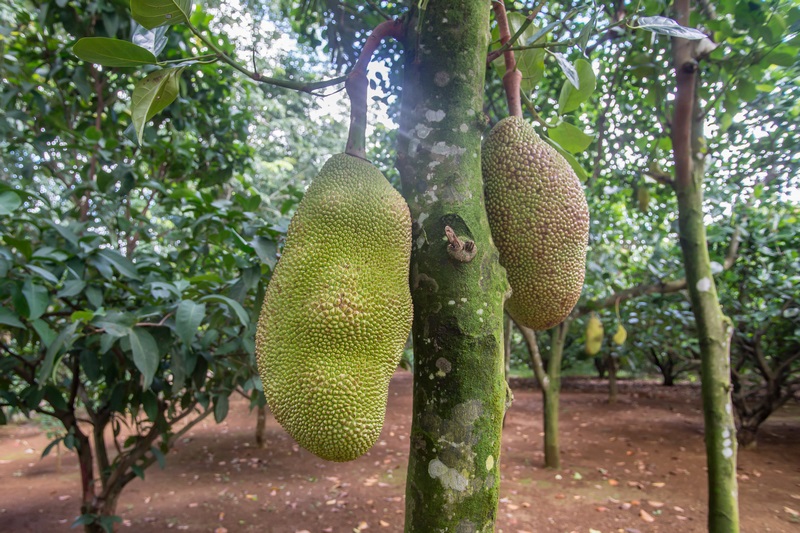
(636, 466)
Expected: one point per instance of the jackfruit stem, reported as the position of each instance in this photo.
(513, 77)
(357, 86)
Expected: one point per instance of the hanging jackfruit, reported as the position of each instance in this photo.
(620, 336)
(337, 311)
(594, 335)
(539, 221)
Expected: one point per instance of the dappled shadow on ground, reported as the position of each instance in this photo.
(638, 464)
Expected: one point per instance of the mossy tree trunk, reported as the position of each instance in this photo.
(507, 345)
(460, 393)
(714, 330)
(550, 383)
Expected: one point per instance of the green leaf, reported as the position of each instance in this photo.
(570, 137)
(266, 249)
(9, 202)
(154, 13)
(46, 334)
(572, 96)
(10, 319)
(125, 266)
(567, 68)
(151, 40)
(667, 26)
(188, 318)
(43, 273)
(50, 447)
(72, 287)
(83, 520)
(150, 404)
(579, 170)
(586, 32)
(152, 94)
(244, 318)
(220, 408)
(112, 52)
(145, 354)
(37, 298)
(159, 455)
(138, 470)
(64, 340)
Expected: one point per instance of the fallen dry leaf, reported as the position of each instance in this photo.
(613, 482)
(659, 484)
(647, 517)
(384, 523)
(655, 504)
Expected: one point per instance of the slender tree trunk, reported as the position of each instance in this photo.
(507, 344)
(714, 330)
(261, 426)
(600, 366)
(611, 365)
(460, 394)
(550, 383)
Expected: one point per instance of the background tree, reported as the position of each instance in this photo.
(131, 274)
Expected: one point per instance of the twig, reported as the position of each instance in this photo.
(154, 324)
(286, 84)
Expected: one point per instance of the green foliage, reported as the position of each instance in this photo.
(126, 270)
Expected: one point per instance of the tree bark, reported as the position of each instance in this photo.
(550, 383)
(613, 389)
(507, 345)
(714, 330)
(460, 394)
(261, 426)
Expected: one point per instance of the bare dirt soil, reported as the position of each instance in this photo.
(636, 466)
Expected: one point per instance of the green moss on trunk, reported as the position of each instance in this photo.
(459, 387)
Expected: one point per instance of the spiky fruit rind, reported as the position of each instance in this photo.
(337, 311)
(539, 220)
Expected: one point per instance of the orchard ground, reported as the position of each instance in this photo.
(636, 466)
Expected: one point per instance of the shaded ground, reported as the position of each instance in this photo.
(634, 466)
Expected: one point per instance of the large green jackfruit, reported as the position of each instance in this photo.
(337, 311)
(539, 220)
